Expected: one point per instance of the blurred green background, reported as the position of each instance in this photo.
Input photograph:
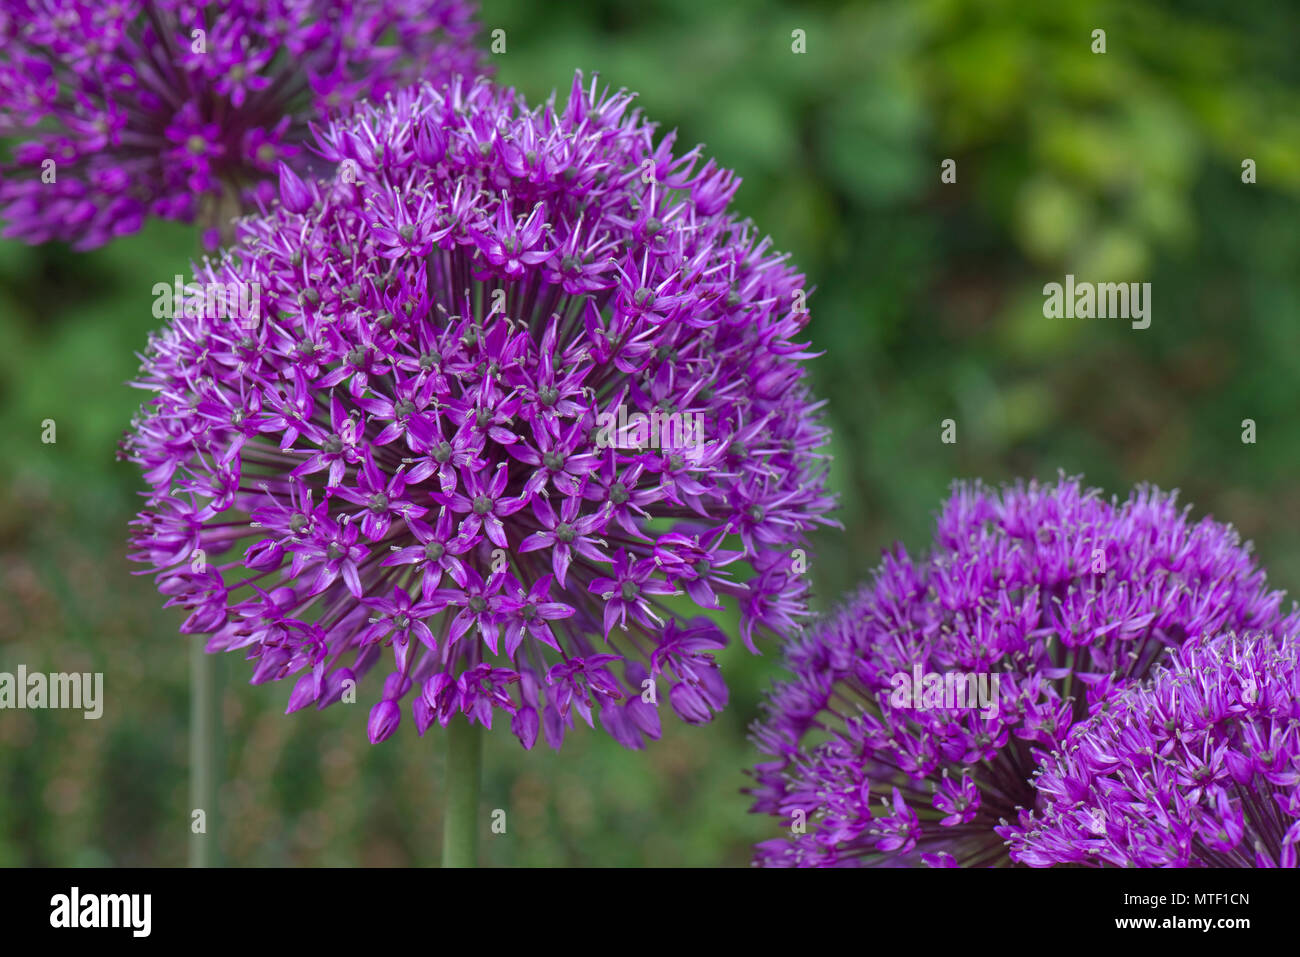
(1123, 166)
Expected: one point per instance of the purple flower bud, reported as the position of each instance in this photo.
(267, 553)
(689, 704)
(294, 194)
(337, 682)
(614, 719)
(396, 685)
(645, 716)
(385, 716)
(306, 691)
(422, 713)
(272, 666)
(524, 726)
(430, 144)
(553, 726)
(440, 692)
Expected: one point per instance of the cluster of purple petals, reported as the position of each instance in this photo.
(1198, 767)
(403, 463)
(1061, 595)
(172, 110)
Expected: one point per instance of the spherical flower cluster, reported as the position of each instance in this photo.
(916, 714)
(522, 398)
(161, 108)
(1199, 767)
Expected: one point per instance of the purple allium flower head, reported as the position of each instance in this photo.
(141, 108)
(1197, 767)
(1052, 597)
(418, 456)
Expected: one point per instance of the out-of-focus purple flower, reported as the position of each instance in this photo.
(880, 752)
(418, 451)
(139, 108)
(1197, 767)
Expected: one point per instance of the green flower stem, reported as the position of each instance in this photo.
(205, 753)
(464, 771)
